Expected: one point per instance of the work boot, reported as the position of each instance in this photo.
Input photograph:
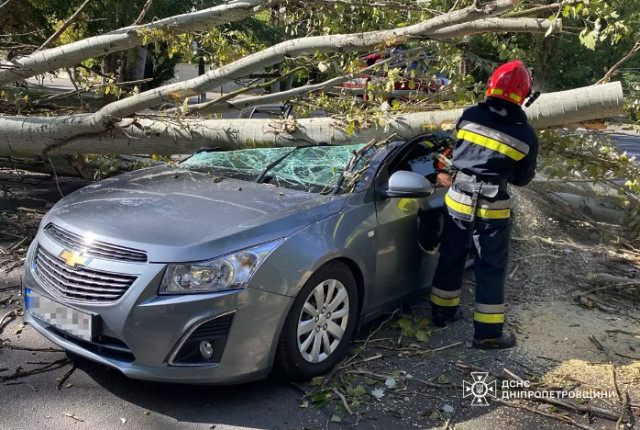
(507, 340)
(440, 320)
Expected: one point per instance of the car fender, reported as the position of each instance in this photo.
(345, 235)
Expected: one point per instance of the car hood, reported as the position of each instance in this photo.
(178, 215)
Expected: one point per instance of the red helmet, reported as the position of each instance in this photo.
(511, 82)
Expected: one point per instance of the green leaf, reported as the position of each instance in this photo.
(350, 129)
(360, 390)
(422, 335)
(423, 323)
(411, 332)
(316, 381)
(336, 418)
(589, 40)
(370, 381)
(404, 323)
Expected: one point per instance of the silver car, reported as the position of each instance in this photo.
(230, 263)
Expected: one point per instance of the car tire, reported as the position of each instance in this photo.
(312, 342)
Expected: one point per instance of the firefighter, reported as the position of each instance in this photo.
(495, 146)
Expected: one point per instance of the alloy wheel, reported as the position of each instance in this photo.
(323, 321)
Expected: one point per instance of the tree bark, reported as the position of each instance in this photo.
(134, 64)
(293, 48)
(124, 39)
(67, 135)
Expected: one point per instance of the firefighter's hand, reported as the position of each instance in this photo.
(444, 179)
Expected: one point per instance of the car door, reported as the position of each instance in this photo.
(408, 229)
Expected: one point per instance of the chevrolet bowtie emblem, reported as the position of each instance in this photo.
(73, 258)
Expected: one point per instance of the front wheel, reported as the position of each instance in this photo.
(320, 323)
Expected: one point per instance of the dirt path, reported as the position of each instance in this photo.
(400, 373)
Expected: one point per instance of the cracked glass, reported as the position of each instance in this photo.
(312, 169)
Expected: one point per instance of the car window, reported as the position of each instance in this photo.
(311, 169)
(419, 159)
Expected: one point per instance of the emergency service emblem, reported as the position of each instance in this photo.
(479, 389)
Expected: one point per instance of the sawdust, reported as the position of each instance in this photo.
(597, 376)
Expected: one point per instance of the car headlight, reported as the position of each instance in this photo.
(229, 272)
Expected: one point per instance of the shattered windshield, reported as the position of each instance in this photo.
(312, 169)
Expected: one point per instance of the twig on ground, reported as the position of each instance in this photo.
(9, 316)
(51, 366)
(72, 416)
(372, 358)
(24, 348)
(351, 359)
(545, 414)
(344, 400)
(66, 376)
(599, 346)
(442, 348)
(627, 356)
(614, 381)
(513, 375)
(529, 257)
(577, 407)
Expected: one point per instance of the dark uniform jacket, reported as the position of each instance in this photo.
(495, 144)
(495, 140)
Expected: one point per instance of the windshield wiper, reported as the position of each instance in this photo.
(279, 160)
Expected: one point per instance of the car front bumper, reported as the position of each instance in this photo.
(141, 333)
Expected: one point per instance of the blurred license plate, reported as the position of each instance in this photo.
(72, 321)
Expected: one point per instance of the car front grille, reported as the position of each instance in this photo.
(95, 249)
(79, 283)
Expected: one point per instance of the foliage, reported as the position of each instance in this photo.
(583, 155)
(418, 328)
(596, 34)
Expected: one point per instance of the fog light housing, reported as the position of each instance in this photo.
(206, 350)
(204, 343)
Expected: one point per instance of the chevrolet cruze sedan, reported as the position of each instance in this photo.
(230, 263)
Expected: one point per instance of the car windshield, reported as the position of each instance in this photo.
(312, 169)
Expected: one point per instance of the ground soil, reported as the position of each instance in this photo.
(400, 372)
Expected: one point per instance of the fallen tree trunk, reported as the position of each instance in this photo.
(124, 39)
(29, 136)
(605, 192)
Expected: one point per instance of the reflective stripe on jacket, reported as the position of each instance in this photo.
(495, 141)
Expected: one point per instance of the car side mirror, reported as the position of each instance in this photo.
(408, 185)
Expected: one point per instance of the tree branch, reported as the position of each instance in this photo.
(64, 26)
(226, 105)
(616, 66)
(125, 38)
(499, 25)
(207, 106)
(553, 7)
(143, 12)
(294, 48)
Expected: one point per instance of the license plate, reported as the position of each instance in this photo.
(71, 321)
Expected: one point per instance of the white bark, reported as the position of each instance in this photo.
(124, 39)
(523, 25)
(57, 135)
(499, 25)
(278, 53)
